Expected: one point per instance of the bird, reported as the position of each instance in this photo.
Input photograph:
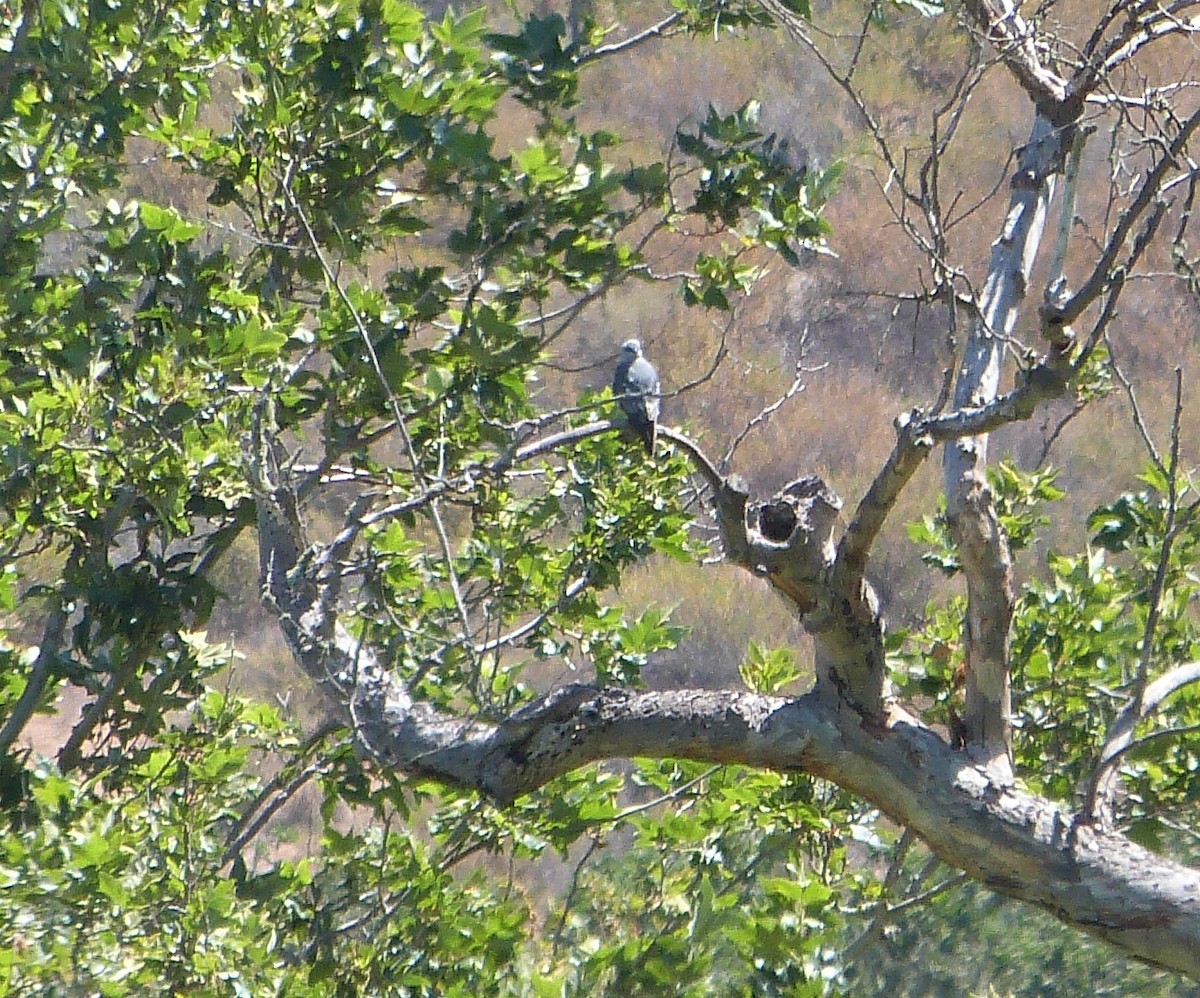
(635, 384)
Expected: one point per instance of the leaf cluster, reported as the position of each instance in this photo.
(345, 246)
(1088, 631)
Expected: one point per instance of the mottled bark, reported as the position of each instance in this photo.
(982, 545)
(965, 806)
(846, 730)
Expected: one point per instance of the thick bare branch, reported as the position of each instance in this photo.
(972, 519)
(1002, 24)
(1103, 782)
(844, 731)
(1017, 844)
(917, 434)
(1120, 734)
(1153, 22)
(913, 445)
(1066, 213)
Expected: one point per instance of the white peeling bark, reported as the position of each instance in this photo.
(982, 546)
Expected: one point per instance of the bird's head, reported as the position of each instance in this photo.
(633, 347)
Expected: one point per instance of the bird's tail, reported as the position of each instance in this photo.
(650, 437)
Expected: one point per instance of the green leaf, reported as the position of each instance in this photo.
(168, 222)
(769, 670)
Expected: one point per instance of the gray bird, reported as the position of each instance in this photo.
(635, 384)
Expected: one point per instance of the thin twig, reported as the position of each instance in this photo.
(35, 682)
(887, 913)
(1150, 192)
(1051, 440)
(569, 900)
(658, 30)
(795, 388)
(1139, 421)
(434, 514)
(1102, 783)
(280, 790)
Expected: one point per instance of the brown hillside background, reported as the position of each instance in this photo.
(870, 357)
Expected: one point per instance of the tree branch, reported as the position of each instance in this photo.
(1102, 273)
(1120, 733)
(1015, 843)
(1015, 38)
(39, 675)
(913, 444)
(659, 29)
(135, 656)
(971, 516)
(843, 731)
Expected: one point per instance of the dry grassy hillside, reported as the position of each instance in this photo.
(834, 347)
(868, 354)
(872, 354)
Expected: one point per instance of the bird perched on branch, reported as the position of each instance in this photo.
(635, 384)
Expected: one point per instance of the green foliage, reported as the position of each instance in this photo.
(925, 660)
(769, 670)
(538, 66)
(112, 886)
(374, 229)
(390, 237)
(717, 16)
(1079, 643)
(125, 886)
(1092, 623)
(129, 373)
(749, 185)
(1018, 496)
(729, 888)
(1095, 380)
(1016, 493)
(973, 942)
